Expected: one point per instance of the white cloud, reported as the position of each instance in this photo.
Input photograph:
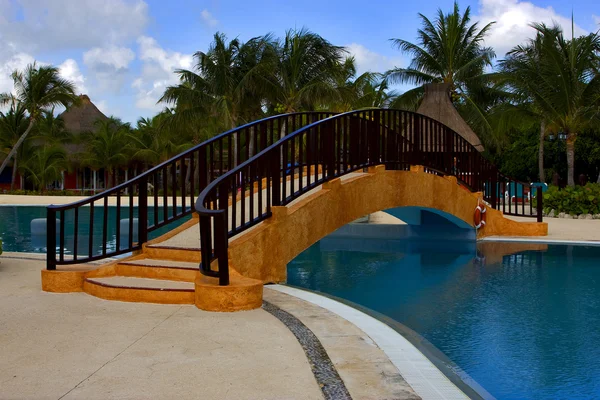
(596, 19)
(150, 51)
(157, 72)
(208, 19)
(102, 106)
(8, 64)
(109, 66)
(367, 60)
(113, 58)
(513, 18)
(70, 70)
(64, 24)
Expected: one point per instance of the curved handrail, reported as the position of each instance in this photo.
(328, 149)
(200, 164)
(210, 187)
(178, 157)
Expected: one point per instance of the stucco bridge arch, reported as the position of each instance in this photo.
(264, 252)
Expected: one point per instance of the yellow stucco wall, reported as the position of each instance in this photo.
(264, 252)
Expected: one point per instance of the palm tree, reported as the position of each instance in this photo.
(38, 89)
(305, 74)
(520, 71)
(109, 147)
(12, 126)
(563, 83)
(154, 141)
(449, 50)
(367, 90)
(226, 85)
(46, 165)
(51, 129)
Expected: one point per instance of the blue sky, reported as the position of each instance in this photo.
(122, 52)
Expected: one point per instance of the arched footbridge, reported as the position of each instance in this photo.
(264, 192)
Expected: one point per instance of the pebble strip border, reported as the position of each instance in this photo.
(327, 377)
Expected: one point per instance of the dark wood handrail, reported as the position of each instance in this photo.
(201, 164)
(336, 146)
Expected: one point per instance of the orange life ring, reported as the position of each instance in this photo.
(480, 216)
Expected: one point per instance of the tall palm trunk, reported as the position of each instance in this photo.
(571, 159)
(14, 174)
(281, 136)
(235, 147)
(15, 148)
(197, 173)
(251, 144)
(235, 141)
(283, 128)
(541, 151)
(110, 178)
(188, 173)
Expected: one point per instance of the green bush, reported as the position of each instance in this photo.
(0, 246)
(573, 200)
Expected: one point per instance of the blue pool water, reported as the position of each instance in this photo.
(523, 326)
(15, 228)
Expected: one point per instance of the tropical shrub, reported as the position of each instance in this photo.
(573, 200)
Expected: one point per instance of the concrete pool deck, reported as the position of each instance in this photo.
(43, 201)
(57, 346)
(77, 346)
(562, 230)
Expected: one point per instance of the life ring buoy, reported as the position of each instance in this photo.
(480, 216)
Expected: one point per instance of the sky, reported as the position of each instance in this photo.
(122, 53)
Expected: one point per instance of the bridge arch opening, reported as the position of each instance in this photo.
(408, 222)
(264, 252)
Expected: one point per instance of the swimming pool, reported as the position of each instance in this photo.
(523, 325)
(15, 228)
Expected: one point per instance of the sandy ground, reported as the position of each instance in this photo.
(75, 346)
(568, 229)
(22, 200)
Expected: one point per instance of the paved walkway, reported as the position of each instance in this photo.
(75, 346)
(560, 229)
(24, 200)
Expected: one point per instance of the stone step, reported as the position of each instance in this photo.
(135, 289)
(158, 269)
(172, 253)
(153, 262)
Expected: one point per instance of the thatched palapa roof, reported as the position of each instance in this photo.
(437, 105)
(82, 117)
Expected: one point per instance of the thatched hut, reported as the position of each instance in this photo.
(437, 105)
(80, 119)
